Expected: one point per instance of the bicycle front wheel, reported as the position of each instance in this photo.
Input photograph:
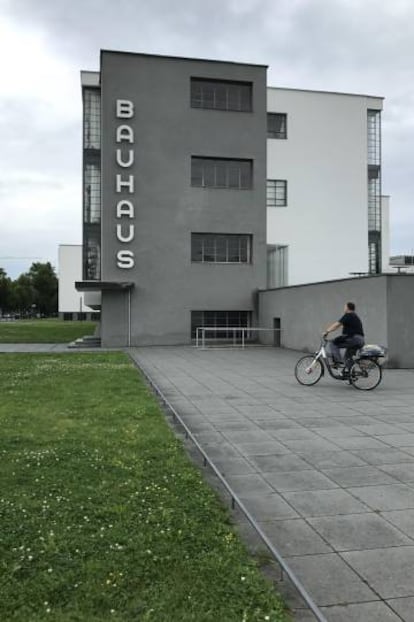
(365, 374)
(308, 370)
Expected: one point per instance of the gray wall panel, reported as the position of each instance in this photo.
(400, 313)
(167, 132)
(306, 310)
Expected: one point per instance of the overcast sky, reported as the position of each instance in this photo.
(358, 46)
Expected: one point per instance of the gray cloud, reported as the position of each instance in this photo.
(343, 45)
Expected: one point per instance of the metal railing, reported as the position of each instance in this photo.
(235, 501)
(241, 332)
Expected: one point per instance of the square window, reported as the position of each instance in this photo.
(276, 193)
(277, 125)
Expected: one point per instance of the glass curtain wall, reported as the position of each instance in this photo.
(374, 191)
(91, 184)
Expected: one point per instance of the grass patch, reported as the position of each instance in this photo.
(44, 331)
(102, 515)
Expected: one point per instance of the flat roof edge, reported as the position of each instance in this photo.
(350, 278)
(90, 78)
(281, 88)
(183, 58)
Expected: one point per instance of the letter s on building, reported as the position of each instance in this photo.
(125, 259)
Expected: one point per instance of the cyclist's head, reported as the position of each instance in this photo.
(350, 306)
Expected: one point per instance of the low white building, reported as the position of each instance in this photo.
(71, 303)
(324, 186)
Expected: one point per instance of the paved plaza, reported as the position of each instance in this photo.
(327, 471)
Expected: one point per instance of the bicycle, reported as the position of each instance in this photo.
(365, 373)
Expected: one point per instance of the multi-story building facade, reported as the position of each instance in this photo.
(203, 186)
(174, 195)
(323, 186)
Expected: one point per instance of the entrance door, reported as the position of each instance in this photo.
(276, 332)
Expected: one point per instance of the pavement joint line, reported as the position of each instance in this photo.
(235, 499)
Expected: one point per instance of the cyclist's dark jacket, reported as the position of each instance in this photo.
(351, 325)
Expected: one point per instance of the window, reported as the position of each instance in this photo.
(220, 248)
(276, 125)
(277, 266)
(221, 173)
(219, 319)
(92, 119)
(221, 95)
(92, 189)
(276, 195)
(91, 255)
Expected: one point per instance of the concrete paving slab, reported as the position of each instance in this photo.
(383, 456)
(269, 447)
(295, 537)
(364, 612)
(399, 440)
(337, 431)
(233, 466)
(325, 503)
(377, 429)
(404, 607)
(290, 481)
(331, 580)
(330, 459)
(359, 442)
(402, 472)
(302, 446)
(248, 483)
(297, 433)
(279, 463)
(362, 475)
(403, 519)
(358, 532)
(387, 571)
(268, 507)
(382, 498)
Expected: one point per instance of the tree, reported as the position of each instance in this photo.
(5, 292)
(23, 296)
(45, 287)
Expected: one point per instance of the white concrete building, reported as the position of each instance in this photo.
(71, 303)
(324, 185)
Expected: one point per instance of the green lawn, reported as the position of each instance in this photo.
(44, 331)
(102, 515)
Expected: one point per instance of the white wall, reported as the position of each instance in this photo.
(70, 270)
(324, 160)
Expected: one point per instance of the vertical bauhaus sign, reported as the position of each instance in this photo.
(124, 184)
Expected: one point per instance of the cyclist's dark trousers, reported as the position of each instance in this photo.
(350, 343)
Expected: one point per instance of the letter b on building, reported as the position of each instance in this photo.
(124, 109)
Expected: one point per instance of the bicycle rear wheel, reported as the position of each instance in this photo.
(308, 370)
(365, 374)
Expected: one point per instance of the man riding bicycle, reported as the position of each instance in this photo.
(352, 336)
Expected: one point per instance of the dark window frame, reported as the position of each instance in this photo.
(279, 132)
(222, 248)
(224, 95)
(221, 173)
(272, 197)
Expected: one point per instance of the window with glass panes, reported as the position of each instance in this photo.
(221, 95)
(276, 193)
(221, 173)
(220, 248)
(276, 125)
(221, 320)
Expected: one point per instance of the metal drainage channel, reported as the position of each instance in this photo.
(236, 501)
